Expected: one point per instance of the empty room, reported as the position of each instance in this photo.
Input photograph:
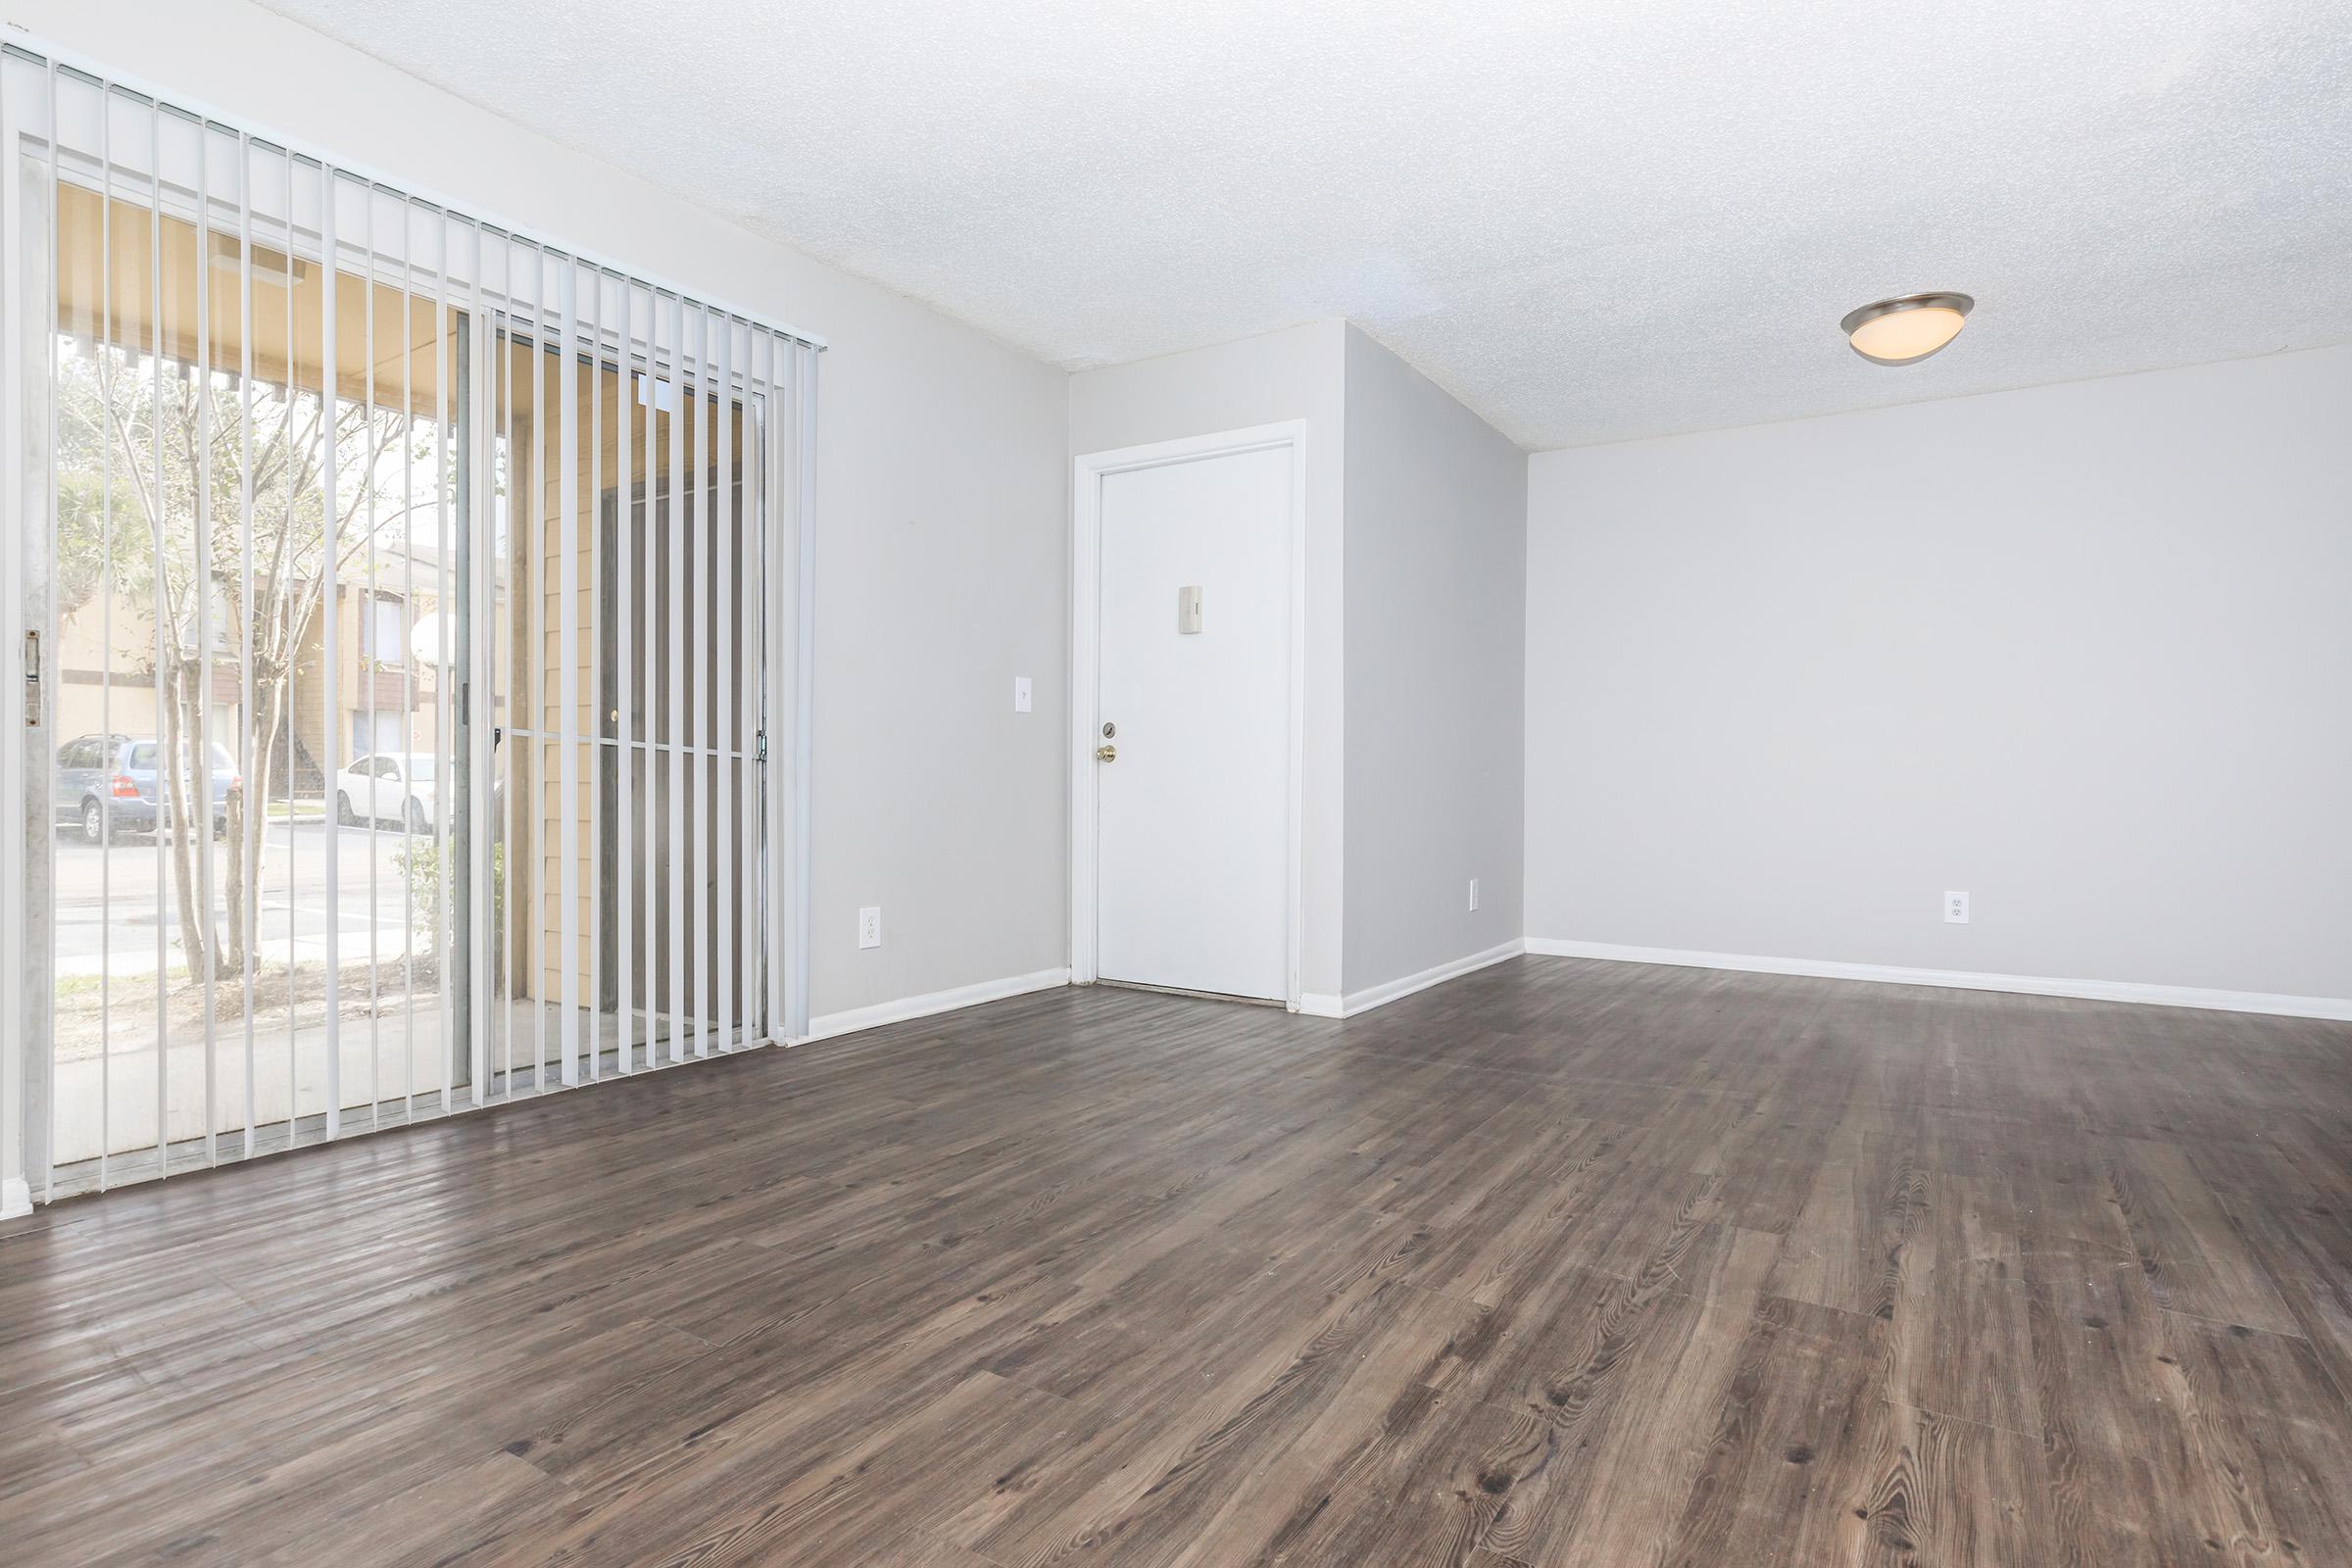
(1187, 784)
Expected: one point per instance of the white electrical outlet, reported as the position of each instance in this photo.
(1955, 908)
(1020, 694)
(1474, 892)
(869, 928)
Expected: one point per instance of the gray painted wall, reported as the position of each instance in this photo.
(1297, 373)
(941, 499)
(2082, 651)
(942, 573)
(1436, 653)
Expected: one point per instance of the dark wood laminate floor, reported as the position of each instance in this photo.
(1565, 1262)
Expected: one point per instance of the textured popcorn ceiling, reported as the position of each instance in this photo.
(1588, 218)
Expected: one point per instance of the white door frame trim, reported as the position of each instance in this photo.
(1086, 615)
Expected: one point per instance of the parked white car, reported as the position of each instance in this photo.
(394, 787)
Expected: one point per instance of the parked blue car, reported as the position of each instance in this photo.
(108, 784)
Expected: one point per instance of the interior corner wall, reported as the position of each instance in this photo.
(1436, 663)
(1297, 373)
(2082, 650)
(941, 490)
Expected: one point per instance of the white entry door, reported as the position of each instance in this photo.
(1193, 697)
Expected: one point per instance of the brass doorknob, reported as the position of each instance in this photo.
(1107, 753)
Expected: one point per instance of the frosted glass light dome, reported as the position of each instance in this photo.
(1906, 330)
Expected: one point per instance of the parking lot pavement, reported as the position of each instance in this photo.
(108, 911)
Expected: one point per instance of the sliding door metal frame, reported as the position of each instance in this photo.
(753, 376)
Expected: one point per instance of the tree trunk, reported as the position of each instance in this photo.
(233, 891)
(251, 826)
(191, 830)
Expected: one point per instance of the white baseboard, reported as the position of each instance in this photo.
(16, 1197)
(906, 1007)
(1323, 1004)
(2339, 1007)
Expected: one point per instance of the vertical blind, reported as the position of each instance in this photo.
(412, 616)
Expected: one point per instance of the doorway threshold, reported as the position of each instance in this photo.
(1198, 995)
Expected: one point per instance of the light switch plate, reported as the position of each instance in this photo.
(869, 927)
(1020, 694)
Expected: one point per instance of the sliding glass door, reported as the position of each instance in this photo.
(407, 615)
(629, 608)
(253, 462)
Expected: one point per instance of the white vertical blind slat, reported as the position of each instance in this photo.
(407, 662)
(758, 363)
(567, 674)
(162, 868)
(445, 675)
(803, 666)
(248, 774)
(50, 598)
(106, 640)
(694, 516)
(364, 636)
(533, 520)
(677, 509)
(625, 766)
(481, 686)
(287, 566)
(329, 753)
(590, 744)
(725, 573)
(195, 764)
(503, 640)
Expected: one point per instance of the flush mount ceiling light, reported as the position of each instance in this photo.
(1906, 330)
